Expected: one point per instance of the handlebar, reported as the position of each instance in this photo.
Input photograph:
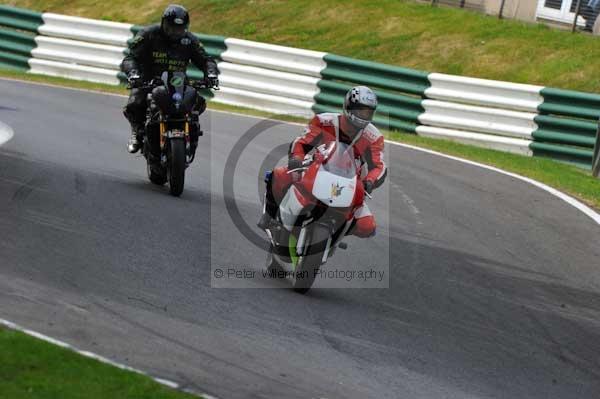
(155, 82)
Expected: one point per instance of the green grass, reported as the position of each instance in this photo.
(569, 179)
(400, 32)
(31, 368)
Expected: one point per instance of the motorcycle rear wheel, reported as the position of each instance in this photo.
(156, 177)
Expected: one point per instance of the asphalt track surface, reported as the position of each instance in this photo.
(494, 287)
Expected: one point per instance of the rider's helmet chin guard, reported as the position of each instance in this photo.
(360, 104)
(175, 22)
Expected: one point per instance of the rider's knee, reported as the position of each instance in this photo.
(280, 182)
(364, 227)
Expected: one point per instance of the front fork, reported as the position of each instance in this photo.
(175, 134)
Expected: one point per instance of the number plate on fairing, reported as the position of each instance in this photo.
(173, 134)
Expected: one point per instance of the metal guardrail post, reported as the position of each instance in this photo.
(577, 12)
(596, 158)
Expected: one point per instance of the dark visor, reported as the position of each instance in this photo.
(175, 30)
(364, 113)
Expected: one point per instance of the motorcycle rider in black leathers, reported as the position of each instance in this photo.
(158, 48)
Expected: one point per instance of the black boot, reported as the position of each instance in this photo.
(267, 219)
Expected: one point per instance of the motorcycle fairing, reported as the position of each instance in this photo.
(291, 205)
(333, 190)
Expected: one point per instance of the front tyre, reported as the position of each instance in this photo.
(309, 264)
(176, 167)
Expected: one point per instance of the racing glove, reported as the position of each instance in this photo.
(133, 78)
(212, 80)
(294, 163)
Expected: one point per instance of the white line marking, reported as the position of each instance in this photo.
(6, 133)
(568, 199)
(45, 338)
(91, 355)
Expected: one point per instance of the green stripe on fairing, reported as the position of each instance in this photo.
(292, 242)
(19, 18)
(570, 103)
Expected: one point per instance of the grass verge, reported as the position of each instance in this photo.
(31, 368)
(569, 179)
(399, 32)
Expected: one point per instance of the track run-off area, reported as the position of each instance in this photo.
(494, 283)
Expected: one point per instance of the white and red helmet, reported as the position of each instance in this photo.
(359, 106)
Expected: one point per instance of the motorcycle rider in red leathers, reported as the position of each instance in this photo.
(354, 128)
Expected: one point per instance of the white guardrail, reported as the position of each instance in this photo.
(488, 113)
(271, 78)
(283, 80)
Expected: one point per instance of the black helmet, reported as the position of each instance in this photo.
(360, 105)
(175, 22)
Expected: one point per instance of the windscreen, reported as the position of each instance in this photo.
(340, 160)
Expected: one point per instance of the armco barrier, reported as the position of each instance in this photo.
(400, 90)
(506, 116)
(596, 159)
(18, 18)
(567, 126)
(15, 49)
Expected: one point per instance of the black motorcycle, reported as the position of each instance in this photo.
(172, 128)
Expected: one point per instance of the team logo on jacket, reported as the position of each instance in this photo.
(186, 41)
(336, 190)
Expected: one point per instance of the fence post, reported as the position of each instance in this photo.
(577, 11)
(501, 9)
(433, 2)
(462, 3)
(596, 158)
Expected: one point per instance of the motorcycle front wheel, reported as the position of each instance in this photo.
(309, 264)
(176, 167)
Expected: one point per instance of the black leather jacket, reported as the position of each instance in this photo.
(151, 53)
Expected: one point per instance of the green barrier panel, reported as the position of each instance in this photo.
(596, 157)
(563, 138)
(395, 111)
(570, 103)
(338, 90)
(16, 42)
(375, 74)
(565, 131)
(18, 18)
(13, 61)
(577, 156)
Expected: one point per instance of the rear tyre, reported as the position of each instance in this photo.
(156, 177)
(176, 167)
